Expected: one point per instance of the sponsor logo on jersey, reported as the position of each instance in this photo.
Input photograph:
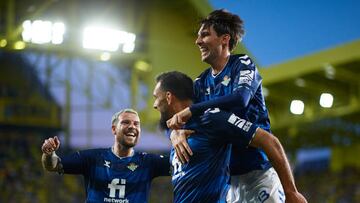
(132, 166)
(246, 77)
(117, 191)
(226, 80)
(107, 163)
(240, 123)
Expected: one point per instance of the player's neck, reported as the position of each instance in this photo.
(219, 64)
(181, 105)
(121, 151)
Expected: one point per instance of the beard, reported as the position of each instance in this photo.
(164, 116)
(126, 141)
(128, 144)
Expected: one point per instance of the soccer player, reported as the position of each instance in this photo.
(204, 178)
(114, 174)
(233, 83)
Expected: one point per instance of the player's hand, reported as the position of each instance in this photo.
(50, 145)
(295, 197)
(179, 119)
(179, 142)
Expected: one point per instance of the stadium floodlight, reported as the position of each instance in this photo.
(58, 31)
(19, 45)
(297, 107)
(107, 39)
(3, 43)
(326, 100)
(41, 32)
(142, 66)
(128, 47)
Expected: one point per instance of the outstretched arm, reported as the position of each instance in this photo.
(275, 152)
(49, 159)
(240, 98)
(246, 81)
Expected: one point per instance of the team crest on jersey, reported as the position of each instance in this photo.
(226, 80)
(132, 166)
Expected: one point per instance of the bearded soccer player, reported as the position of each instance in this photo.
(205, 177)
(114, 174)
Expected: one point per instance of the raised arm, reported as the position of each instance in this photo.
(49, 159)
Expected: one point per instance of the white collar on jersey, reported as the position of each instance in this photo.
(121, 157)
(214, 75)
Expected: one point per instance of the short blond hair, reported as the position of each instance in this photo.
(115, 117)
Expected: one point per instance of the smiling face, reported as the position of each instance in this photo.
(211, 46)
(127, 129)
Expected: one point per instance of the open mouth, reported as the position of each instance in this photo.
(203, 49)
(131, 134)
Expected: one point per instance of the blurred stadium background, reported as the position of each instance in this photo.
(66, 66)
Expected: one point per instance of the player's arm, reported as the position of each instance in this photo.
(240, 98)
(49, 159)
(75, 163)
(276, 154)
(220, 126)
(160, 165)
(247, 81)
(227, 127)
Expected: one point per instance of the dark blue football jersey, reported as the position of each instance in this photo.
(109, 178)
(237, 88)
(205, 177)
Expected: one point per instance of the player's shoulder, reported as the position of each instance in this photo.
(94, 152)
(202, 75)
(242, 60)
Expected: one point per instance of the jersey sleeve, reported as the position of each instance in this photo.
(228, 127)
(247, 77)
(160, 165)
(246, 81)
(75, 163)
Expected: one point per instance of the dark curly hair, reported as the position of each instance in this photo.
(225, 22)
(177, 83)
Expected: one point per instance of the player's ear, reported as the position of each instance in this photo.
(225, 39)
(169, 97)
(113, 129)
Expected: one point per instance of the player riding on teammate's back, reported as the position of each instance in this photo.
(233, 83)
